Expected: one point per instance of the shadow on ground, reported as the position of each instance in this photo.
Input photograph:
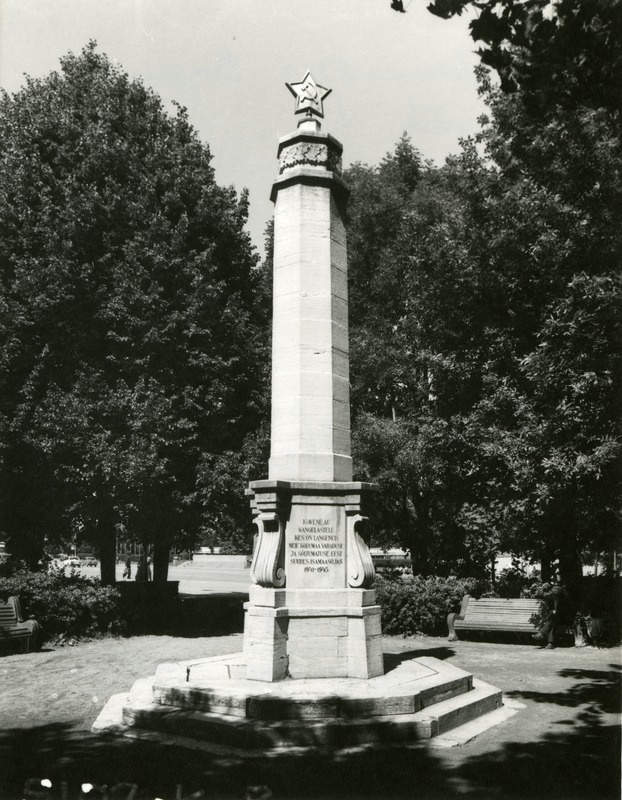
(576, 760)
(59, 753)
(579, 758)
(393, 660)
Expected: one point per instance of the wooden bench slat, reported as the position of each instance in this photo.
(503, 603)
(498, 626)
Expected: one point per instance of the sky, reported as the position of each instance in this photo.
(227, 61)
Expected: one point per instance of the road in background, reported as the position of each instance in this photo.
(193, 578)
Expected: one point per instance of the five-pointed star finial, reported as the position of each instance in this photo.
(309, 96)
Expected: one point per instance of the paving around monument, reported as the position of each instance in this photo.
(311, 700)
(563, 742)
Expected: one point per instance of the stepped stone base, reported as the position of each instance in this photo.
(210, 703)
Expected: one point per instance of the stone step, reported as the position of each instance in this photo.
(266, 707)
(405, 690)
(239, 732)
(467, 731)
(459, 710)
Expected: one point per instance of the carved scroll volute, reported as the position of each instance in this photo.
(360, 565)
(266, 569)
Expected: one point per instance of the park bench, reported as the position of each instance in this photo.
(494, 614)
(13, 628)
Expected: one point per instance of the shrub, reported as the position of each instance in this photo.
(65, 604)
(537, 589)
(391, 562)
(513, 582)
(416, 604)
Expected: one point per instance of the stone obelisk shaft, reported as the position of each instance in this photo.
(310, 361)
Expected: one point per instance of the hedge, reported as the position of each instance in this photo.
(415, 604)
(65, 605)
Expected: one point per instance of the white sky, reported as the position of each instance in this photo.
(228, 60)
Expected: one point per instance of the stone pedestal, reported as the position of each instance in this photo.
(311, 611)
(312, 633)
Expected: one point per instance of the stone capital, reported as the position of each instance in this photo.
(313, 159)
(310, 137)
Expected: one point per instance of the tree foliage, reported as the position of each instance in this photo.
(130, 328)
(485, 339)
(485, 305)
(556, 52)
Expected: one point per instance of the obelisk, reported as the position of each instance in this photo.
(312, 612)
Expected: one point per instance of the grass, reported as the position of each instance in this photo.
(564, 743)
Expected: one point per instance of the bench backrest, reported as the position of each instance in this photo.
(8, 615)
(501, 607)
(496, 613)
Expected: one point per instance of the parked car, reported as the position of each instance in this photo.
(71, 561)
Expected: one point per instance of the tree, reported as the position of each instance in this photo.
(576, 393)
(413, 321)
(222, 476)
(456, 278)
(557, 54)
(132, 334)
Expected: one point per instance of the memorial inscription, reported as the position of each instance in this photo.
(315, 549)
(316, 546)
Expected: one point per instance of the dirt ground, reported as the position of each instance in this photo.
(564, 743)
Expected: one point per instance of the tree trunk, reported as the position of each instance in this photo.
(570, 566)
(546, 570)
(418, 508)
(108, 556)
(161, 552)
(570, 569)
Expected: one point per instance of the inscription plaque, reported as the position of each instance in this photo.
(316, 542)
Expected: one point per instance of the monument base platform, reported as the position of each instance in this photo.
(211, 705)
(307, 633)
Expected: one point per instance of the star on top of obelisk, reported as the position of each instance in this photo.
(309, 96)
